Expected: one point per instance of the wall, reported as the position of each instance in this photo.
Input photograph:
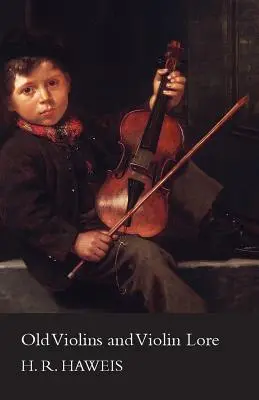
(223, 66)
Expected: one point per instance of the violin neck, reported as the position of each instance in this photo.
(152, 131)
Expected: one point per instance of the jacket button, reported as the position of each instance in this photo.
(73, 190)
(52, 258)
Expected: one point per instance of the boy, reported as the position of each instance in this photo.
(49, 166)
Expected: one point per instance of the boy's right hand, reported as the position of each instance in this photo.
(92, 245)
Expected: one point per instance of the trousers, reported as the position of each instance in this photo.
(141, 269)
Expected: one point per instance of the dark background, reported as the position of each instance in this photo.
(116, 47)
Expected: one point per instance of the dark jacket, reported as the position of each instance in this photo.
(46, 192)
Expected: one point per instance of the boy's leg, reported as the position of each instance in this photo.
(192, 195)
(138, 266)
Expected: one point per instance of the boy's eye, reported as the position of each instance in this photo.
(53, 82)
(27, 90)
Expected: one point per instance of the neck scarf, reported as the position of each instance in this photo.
(68, 131)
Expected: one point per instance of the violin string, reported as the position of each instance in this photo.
(122, 291)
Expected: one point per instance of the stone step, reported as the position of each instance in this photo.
(227, 286)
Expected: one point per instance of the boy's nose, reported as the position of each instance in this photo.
(44, 94)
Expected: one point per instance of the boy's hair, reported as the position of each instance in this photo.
(21, 52)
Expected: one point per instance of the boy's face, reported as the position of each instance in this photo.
(42, 96)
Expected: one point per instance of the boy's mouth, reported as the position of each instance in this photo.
(48, 111)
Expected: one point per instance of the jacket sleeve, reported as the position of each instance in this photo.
(25, 208)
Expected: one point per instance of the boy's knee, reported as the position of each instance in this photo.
(136, 246)
(144, 253)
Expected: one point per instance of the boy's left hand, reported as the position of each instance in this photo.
(174, 89)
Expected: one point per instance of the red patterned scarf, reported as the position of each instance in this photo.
(69, 131)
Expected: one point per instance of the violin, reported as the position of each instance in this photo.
(151, 142)
(240, 103)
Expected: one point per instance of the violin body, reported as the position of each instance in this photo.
(112, 201)
(170, 141)
(112, 205)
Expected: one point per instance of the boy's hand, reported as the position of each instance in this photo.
(174, 89)
(92, 245)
